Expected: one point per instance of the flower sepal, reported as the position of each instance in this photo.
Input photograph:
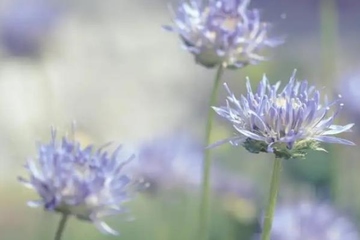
(282, 150)
(81, 211)
(208, 58)
(298, 151)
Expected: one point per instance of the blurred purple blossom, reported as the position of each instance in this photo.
(25, 24)
(350, 91)
(287, 123)
(173, 161)
(222, 32)
(78, 181)
(238, 195)
(310, 221)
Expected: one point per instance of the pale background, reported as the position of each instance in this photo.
(111, 67)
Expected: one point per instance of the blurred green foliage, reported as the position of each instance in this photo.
(105, 67)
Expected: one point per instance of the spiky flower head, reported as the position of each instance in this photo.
(78, 181)
(223, 32)
(286, 123)
(310, 220)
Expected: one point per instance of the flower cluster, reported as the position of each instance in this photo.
(223, 32)
(78, 181)
(90, 184)
(286, 122)
(309, 220)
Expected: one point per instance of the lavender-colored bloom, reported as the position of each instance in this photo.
(350, 90)
(310, 221)
(25, 24)
(222, 32)
(78, 181)
(238, 196)
(169, 162)
(286, 122)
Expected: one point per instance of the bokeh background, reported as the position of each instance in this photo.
(111, 67)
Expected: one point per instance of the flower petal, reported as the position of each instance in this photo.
(330, 139)
(104, 228)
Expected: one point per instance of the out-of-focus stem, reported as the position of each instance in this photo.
(61, 226)
(206, 186)
(329, 38)
(274, 188)
(329, 56)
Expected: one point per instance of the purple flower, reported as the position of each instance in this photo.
(350, 90)
(78, 181)
(237, 196)
(169, 162)
(25, 25)
(309, 220)
(222, 32)
(286, 122)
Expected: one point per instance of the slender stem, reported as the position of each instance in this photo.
(274, 188)
(329, 22)
(205, 196)
(61, 226)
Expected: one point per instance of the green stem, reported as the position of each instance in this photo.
(329, 38)
(274, 188)
(329, 20)
(205, 196)
(61, 226)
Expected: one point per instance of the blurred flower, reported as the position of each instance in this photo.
(25, 24)
(168, 162)
(71, 180)
(238, 196)
(287, 123)
(350, 90)
(222, 32)
(311, 221)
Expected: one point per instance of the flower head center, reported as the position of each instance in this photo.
(282, 102)
(230, 23)
(83, 171)
(227, 21)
